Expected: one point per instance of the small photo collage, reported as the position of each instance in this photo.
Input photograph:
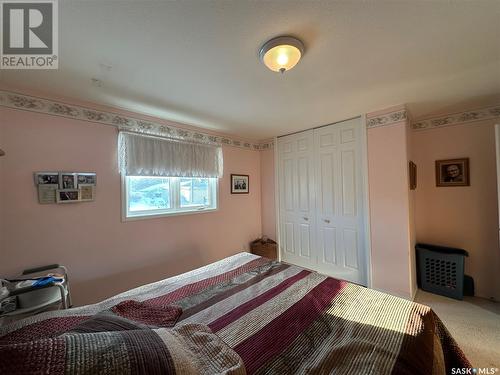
(65, 187)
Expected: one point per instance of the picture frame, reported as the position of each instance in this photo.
(452, 172)
(86, 179)
(67, 195)
(46, 178)
(240, 184)
(412, 168)
(87, 192)
(67, 180)
(47, 193)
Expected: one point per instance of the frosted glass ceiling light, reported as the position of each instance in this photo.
(282, 53)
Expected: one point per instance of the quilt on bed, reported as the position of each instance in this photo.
(280, 319)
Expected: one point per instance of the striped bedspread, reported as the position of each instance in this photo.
(282, 319)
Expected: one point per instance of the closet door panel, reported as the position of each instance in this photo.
(326, 165)
(339, 214)
(303, 182)
(287, 237)
(295, 174)
(328, 244)
(351, 248)
(326, 180)
(348, 178)
(286, 175)
(305, 240)
(288, 169)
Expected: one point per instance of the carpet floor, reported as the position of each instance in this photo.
(474, 323)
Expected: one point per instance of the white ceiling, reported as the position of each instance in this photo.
(197, 62)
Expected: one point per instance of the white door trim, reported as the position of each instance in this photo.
(366, 201)
(497, 150)
(276, 197)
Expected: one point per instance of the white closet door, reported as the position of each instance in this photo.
(296, 199)
(339, 190)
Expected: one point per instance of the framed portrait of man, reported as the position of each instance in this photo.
(452, 172)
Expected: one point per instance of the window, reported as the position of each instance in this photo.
(159, 196)
(163, 176)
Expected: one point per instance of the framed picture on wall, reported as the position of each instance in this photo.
(46, 178)
(452, 172)
(240, 184)
(67, 195)
(47, 193)
(413, 175)
(87, 179)
(67, 180)
(86, 192)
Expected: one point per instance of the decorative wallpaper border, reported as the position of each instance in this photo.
(387, 119)
(55, 108)
(457, 118)
(51, 107)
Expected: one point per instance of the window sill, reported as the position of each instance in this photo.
(126, 218)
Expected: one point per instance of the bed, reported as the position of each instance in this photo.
(266, 317)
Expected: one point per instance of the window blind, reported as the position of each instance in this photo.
(143, 155)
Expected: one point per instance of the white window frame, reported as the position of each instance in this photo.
(174, 200)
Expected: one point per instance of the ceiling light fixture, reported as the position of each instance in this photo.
(282, 53)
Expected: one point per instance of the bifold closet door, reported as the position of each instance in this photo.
(340, 231)
(296, 199)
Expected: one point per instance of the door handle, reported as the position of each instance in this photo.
(326, 221)
(306, 218)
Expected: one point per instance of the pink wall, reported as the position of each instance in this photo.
(464, 217)
(390, 224)
(267, 193)
(104, 255)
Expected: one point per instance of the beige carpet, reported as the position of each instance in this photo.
(473, 322)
